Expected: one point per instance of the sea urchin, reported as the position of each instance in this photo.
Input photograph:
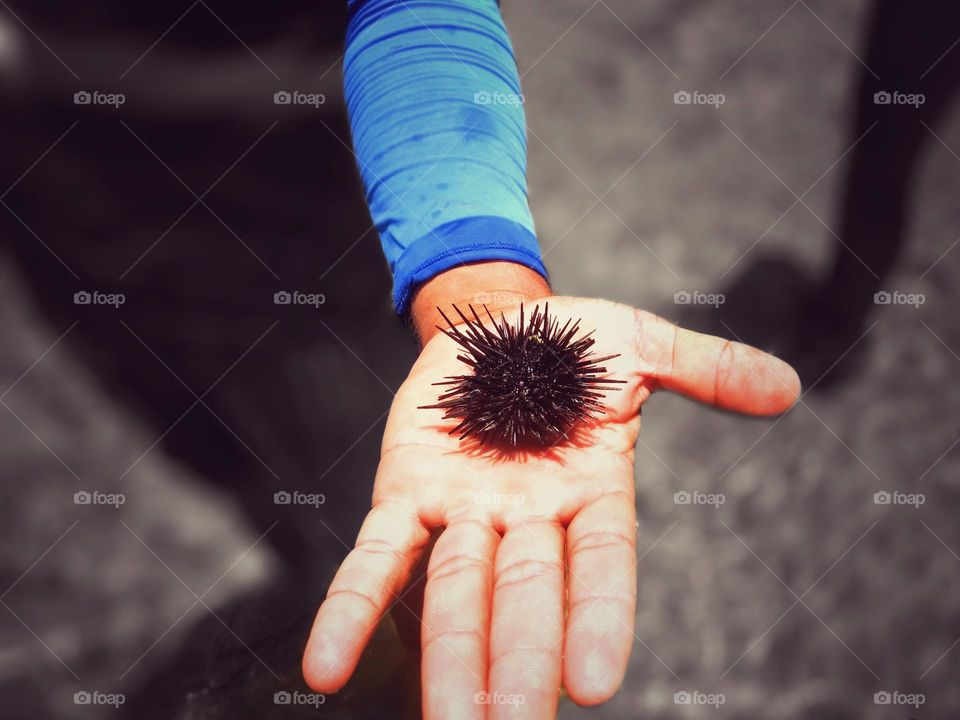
(530, 382)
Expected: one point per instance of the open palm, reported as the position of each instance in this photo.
(532, 583)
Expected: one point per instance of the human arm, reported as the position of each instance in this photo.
(532, 582)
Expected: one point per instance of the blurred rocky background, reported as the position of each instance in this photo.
(816, 563)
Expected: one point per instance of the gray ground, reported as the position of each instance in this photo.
(799, 597)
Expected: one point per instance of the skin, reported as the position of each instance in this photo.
(532, 582)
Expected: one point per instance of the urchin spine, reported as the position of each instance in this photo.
(531, 382)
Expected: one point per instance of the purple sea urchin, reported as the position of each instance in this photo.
(530, 382)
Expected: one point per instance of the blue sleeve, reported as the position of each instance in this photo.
(439, 132)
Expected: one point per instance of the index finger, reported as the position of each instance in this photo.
(602, 597)
(722, 373)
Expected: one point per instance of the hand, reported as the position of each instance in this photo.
(533, 581)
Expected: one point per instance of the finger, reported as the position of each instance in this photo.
(387, 546)
(527, 624)
(456, 619)
(726, 374)
(602, 592)
(407, 616)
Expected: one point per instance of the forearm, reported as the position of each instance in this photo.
(497, 284)
(439, 132)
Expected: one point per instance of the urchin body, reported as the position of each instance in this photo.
(531, 382)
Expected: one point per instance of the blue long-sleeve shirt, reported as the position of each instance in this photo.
(439, 132)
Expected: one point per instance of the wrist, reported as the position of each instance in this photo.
(497, 284)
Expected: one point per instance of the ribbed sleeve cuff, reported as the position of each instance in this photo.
(471, 239)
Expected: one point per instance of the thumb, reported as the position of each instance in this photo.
(721, 373)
